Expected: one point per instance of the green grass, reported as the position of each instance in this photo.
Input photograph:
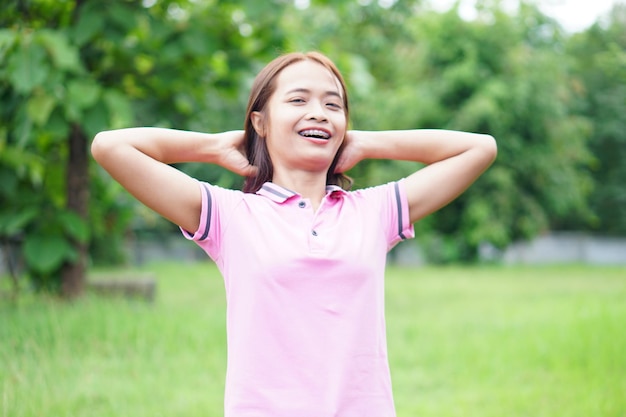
(478, 341)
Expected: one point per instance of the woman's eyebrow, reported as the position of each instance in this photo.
(307, 91)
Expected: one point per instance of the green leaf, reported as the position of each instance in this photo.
(8, 181)
(57, 125)
(144, 63)
(95, 119)
(119, 108)
(90, 23)
(25, 165)
(83, 92)
(196, 43)
(46, 253)
(22, 127)
(28, 67)
(219, 63)
(361, 78)
(64, 56)
(7, 37)
(123, 15)
(74, 226)
(13, 223)
(72, 111)
(39, 108)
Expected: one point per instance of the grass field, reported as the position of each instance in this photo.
(476, 341)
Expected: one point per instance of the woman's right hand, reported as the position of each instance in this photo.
(232, 156)
(139, 159)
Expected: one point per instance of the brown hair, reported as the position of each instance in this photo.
(262, 89)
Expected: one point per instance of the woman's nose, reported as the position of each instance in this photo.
(316, 112)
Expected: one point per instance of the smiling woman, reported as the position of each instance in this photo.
(302, 257)
(304, 89)
(307, 125)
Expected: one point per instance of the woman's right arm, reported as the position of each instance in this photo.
(138, 159)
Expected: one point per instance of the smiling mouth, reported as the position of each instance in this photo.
(315, 133)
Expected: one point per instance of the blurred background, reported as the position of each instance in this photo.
(546, 79)
(511, 301)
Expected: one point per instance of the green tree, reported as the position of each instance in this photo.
(599, 56)
(508, 76)
(41, 113)
(69, 69)
(501, 74)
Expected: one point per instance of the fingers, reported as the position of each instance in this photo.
(340, 166)
(242, 167)
(345, 162)
(249, 171)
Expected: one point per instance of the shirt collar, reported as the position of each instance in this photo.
(280, 194)
(335, 191)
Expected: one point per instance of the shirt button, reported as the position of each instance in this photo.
(313, 232)
(302, 204)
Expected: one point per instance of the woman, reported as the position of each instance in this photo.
(302, 259)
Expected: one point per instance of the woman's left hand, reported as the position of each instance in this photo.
(352, 152)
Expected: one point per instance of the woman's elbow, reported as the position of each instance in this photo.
(101, 145)
(489, 148)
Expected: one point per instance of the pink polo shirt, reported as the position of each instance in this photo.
(305, 297)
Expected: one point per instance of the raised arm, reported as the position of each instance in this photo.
(454, 161)
(138, 159)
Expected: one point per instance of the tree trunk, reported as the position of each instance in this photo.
(10, 256)
(73, 275)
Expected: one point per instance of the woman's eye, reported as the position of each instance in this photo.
(296, 100)
(334, 105)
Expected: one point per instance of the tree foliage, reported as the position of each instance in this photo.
(69, 69)
(501, 74)
(599, 58)
(506, 75)
(73, 68)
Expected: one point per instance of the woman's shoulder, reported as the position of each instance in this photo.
(375, 189)
(229, 197)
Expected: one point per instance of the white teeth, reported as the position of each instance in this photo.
(315, 133)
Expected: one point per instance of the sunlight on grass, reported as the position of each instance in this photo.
(514, 342)
(477, 341)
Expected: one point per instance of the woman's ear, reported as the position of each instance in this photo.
(258, 122)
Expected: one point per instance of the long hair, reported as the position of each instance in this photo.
(262, 89)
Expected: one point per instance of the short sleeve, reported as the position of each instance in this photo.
(401, 227)
(205, 216)
(388, 207)
(217, 202)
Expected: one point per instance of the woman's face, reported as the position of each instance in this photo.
(304, 122)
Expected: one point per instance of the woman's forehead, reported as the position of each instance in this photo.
(310, 76)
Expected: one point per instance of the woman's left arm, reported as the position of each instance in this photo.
(454, 161)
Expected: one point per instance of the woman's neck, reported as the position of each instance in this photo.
(308, 184)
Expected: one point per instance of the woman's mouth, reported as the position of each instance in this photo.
(315, 134)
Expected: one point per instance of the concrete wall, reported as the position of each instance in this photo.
(175, 247)
(567, 248)
(550, 248)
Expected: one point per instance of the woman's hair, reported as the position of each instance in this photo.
(262, 89)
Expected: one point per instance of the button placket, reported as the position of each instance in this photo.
(316, 237)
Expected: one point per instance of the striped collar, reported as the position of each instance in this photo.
(280, 194)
